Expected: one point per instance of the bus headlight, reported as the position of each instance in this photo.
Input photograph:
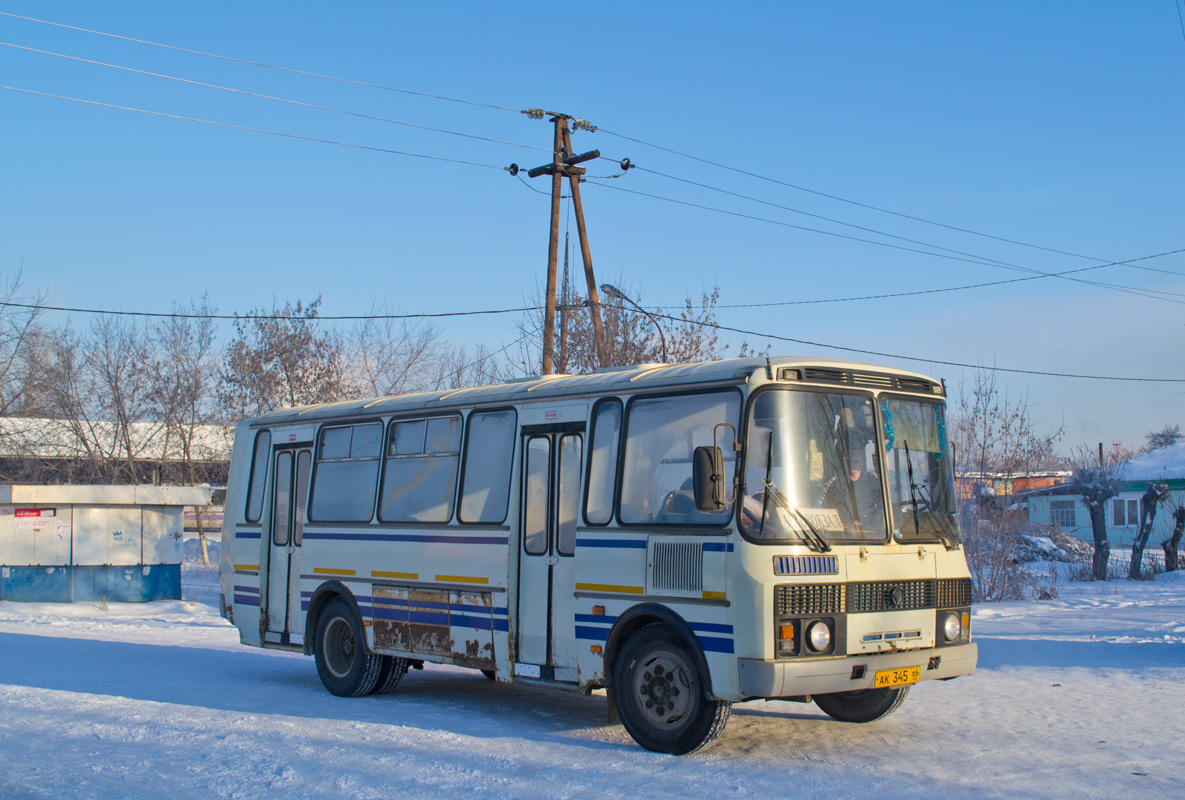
(818, 636)
(951, 627)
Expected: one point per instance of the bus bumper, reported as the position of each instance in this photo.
(757, 678)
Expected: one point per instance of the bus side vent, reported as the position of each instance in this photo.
(677, 566)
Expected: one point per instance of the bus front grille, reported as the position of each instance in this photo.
(954, 592)
(890, 595)
(809, 599)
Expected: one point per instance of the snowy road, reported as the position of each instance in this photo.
(1077, 697)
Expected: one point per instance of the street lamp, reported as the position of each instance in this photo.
(612, 291)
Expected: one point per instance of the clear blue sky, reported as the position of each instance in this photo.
(1058, 124)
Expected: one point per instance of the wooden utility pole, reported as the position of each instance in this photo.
(563, 163)
(594, 302)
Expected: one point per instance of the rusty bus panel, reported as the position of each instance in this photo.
(473, 628)
(390, 618)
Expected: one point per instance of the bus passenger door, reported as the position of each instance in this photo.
(284, 618)
(546, 586)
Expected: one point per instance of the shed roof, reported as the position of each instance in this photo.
(107, 495)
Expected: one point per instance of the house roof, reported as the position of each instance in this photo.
(52, 438)
(1162, 464)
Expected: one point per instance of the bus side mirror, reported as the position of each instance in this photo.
(707, 478)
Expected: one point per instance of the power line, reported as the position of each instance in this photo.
(993, 261)
(254, 130)
(260, 64)
(183, 315)
(844, 199)
(890, 295)
(881, 354)
(1151, 294)
(272, 97)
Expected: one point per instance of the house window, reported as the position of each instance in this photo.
(1133, 512)
(1061, 513)
(1119, 518)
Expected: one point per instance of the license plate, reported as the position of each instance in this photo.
(897, 677)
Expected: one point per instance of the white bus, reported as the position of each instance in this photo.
(684, 536)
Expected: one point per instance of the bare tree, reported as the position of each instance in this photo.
(21, 345)
(184, 380)
(458, 367)
(1097, 479)
(631, 336)
(1154, 495)
(278, 359)
(994, 438)
(1173, 543)
(385, 356)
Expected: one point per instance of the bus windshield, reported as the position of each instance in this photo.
(812, 469)
(921, 485)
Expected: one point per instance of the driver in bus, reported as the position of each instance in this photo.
(856, 494)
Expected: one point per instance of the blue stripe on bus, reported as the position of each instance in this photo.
(247, 600)
(428, 617)
(711, 627)
(718, 547)
(711, 644)
(246, 534)
(400, 537)
(592, 634)
(248, 589)
(639, 544)
(596, 618)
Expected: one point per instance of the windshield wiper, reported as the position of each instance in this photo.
(946, 535)
(814, 540)
(817, 543)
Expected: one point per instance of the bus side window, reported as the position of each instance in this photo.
(347, 472)
(489, 449)
(420, 476)
(602, 462)
(263, 446)
(661, 437)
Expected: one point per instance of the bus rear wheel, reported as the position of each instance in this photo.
(346, 666)
(865, 705)
(390, 673)
(661, 696)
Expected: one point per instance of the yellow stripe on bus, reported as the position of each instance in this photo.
(607, 587)
(713, 595)
(410, 576)
(247, 567)
(328, 571)
(460, 579)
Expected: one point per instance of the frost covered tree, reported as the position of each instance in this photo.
(1164, 437)
(1097, 480)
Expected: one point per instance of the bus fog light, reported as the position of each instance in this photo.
(818, 635)
(951, 628)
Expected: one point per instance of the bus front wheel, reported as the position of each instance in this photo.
(346, 666)
(865, 705)
(661, 697)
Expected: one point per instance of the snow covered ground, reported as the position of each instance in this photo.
(1081, 696)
